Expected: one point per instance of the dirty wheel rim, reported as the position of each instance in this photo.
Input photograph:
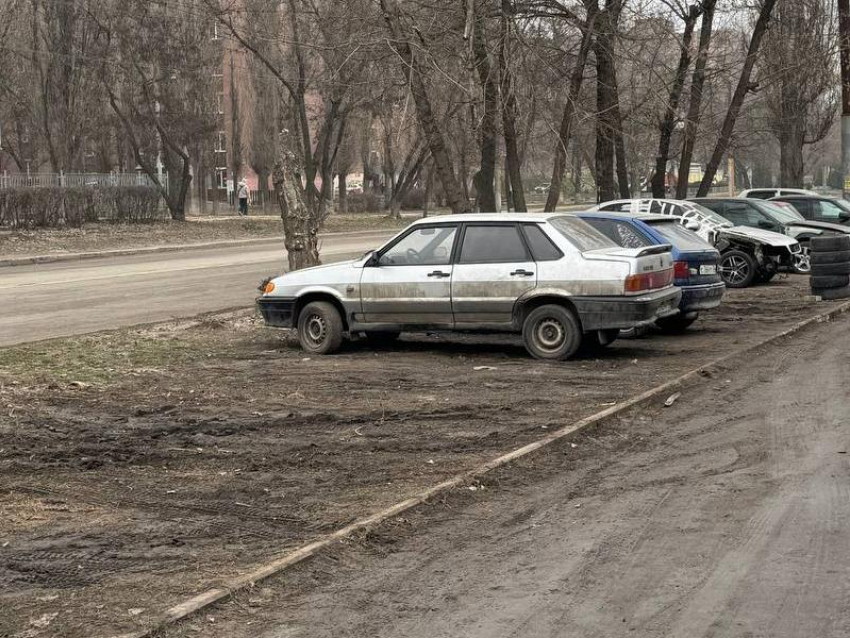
(735, 269)
(316, 329)
(550, 335)
(803, 261)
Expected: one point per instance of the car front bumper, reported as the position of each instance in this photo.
(696, 298)
(608, 313)
(277, 312)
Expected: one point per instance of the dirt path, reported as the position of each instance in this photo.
(726, 515)
(146, 465)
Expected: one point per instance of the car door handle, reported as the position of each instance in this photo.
(439, 274)
(522, 273)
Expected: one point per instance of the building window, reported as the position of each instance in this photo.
(221, 142)
(221, 178)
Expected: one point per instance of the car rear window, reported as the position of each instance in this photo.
(542, 248)
(581, 234)
(761, 194)
(622, 233)
(679, 236)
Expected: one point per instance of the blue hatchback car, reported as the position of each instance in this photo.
(696, 262)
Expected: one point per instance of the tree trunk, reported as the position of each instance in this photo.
(509, 116)
(576, 81)
(429, 192)
(695, 106)
(577, 174)
(484, 179)
(605, 188)
(791, 141)
(413, 73)
(668, 122)
(741, 91)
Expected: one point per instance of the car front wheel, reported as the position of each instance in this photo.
(552, 333)
(737, 269)
(320, 328)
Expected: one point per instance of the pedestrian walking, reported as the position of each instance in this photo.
(243, 194)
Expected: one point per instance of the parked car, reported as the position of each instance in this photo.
(779, 217)
(747, 255)
(770, 193)
(550, 277)
(819, 209)
(696, 262)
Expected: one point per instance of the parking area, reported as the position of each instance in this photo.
(145, 465)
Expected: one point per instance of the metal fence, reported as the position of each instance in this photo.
(74, 180)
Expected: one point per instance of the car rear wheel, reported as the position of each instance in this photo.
(320, 328)
(677, 323)
(802, 261)
(737, 269)
(552, 333)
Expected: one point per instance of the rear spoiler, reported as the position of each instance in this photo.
(655, 250)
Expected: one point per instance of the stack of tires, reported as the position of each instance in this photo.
(830, 276)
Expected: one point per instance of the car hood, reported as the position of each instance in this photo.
(324, 273)
(836, 228)
(768, 237)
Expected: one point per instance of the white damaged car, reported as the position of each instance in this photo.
(747, 255)
(551, 277)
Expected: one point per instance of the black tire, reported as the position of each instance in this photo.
(320, 328)
(551, 333)
(832, 294)
(819, 270)
(382, 338)
(677, 324)
(597, 340)
(832, 257)
(737, 269)
(830, 244)
(829, 281)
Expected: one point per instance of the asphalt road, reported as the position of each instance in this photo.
(69, 298)
(724, 516)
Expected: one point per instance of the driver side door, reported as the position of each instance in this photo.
(410, 284)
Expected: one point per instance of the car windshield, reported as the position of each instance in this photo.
(580, 234)
(679, 236)
(841, 204)
(784, 214)
(709, 214)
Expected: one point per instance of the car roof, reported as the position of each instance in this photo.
(489, 217)
(801, 196)
(644, 217)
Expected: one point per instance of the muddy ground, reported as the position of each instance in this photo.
(141, 466)
(196, 230)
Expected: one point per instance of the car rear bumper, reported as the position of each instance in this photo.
(277, 311)
(701, 297)
(608, 313)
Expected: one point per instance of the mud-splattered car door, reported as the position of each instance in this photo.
(493, 269)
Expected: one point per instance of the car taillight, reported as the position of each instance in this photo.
(681, 270)
(649, 280)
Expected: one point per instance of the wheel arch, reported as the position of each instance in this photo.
(319, 295)
(525, 306)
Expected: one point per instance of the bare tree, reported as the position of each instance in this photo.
(741, 91)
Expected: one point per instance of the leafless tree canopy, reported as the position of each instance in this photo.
(466, 104)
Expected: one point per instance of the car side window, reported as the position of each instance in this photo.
(615, 208)
(828, 210)
(492, 245)
(762, 194)
(427, 246)
(542, 248)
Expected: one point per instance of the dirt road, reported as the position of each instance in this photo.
(725, 515)
(53, 300)
(144, 466)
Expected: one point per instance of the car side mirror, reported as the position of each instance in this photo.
(844, 216)
(693, 225)
(371, 259)
(763, 223)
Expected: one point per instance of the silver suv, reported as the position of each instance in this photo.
(551, 277)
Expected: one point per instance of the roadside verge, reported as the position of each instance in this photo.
(186, 608)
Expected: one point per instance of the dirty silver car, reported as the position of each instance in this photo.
(560, 283)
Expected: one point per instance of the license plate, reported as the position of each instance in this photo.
(708, 270)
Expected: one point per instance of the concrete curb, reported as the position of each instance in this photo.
(153, 250)
(193, 605)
